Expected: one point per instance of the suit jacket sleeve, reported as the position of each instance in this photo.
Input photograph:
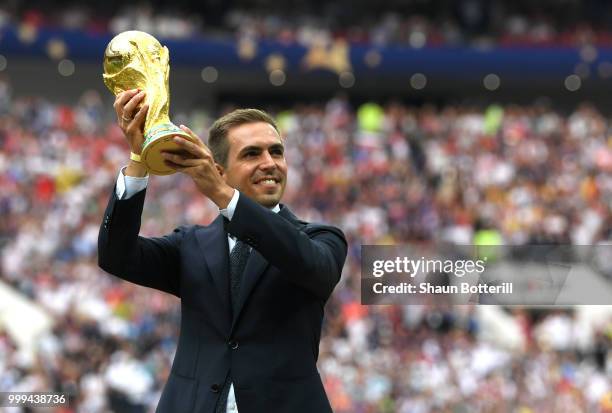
(151, 262)
(311, 255)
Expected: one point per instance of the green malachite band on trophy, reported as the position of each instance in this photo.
(161, 130)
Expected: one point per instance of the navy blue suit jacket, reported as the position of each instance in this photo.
(271, 344)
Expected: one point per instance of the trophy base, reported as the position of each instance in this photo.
(159, 139)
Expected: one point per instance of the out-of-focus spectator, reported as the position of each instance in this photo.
(390, 173)
(414, 24)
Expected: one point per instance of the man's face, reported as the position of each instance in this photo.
(256, 163)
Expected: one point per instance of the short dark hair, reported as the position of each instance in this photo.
(217, 136)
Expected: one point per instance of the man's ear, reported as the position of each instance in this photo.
(220, 169)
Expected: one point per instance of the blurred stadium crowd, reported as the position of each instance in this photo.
(417, 24)
(391, 173)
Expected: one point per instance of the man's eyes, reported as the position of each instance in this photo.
(274, 151)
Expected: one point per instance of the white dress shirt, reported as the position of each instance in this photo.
(128, 186)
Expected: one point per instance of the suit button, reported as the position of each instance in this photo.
(215, 388)
(233, 344)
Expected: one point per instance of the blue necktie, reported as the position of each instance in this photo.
(238, 259)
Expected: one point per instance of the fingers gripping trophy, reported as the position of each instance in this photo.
(136, 60)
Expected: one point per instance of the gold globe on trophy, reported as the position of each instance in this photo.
(135, 59)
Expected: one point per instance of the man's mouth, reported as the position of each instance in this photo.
(267, 181)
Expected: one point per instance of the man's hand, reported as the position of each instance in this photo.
(196, 160)
(131, 120)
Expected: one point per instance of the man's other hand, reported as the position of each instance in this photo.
(196, 160)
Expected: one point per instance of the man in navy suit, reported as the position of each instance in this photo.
(253, 283)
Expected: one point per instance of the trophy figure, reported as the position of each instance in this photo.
(135, 59)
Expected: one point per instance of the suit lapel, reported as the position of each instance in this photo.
(255, 267)
(214, 247)
(286, 213)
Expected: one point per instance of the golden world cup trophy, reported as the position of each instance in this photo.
(135, 59)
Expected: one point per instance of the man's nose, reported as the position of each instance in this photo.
(267, 162)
